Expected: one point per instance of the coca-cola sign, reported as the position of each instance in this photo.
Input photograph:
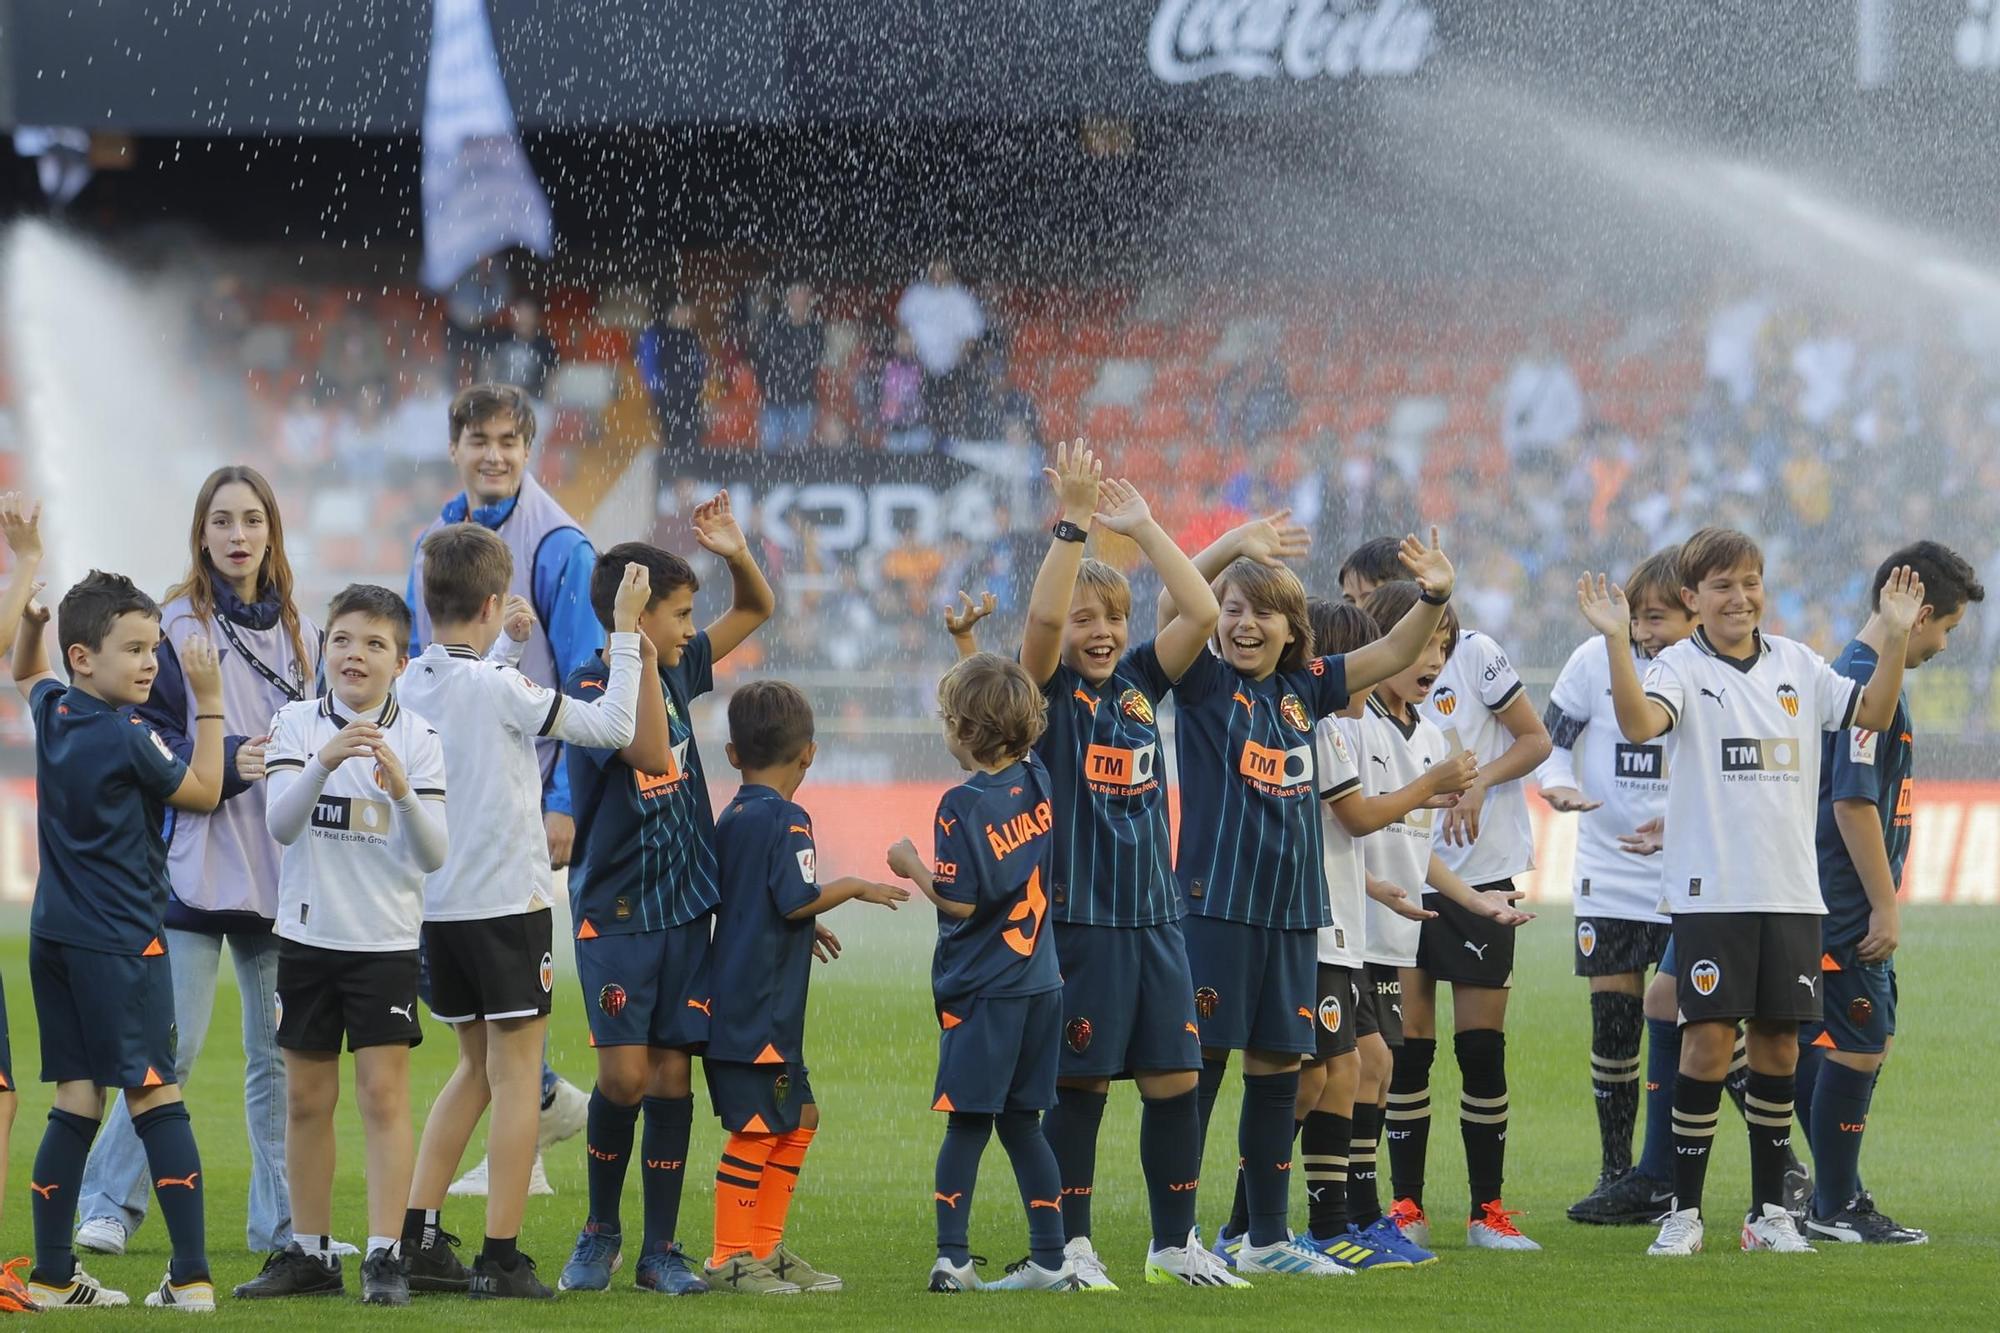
(1293, 39)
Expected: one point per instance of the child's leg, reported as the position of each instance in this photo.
(1071, 1127)
(382, 1087)
(1409, 1115)
(738, 1180)
(965, 1135)
(161, 1120)
(9, 1104)
(1170, 1153)
(1774, 1056)
(1312, 1078)
(622, 1072)
(1617, 1021)
(781, 1180)
(669, 1114)
(58, 1175)
(1663, 1062)
(453, 1117)
(1039, 1181)
(1479, 1019)
(1264, 1133)
(514, 1073)
(312, 1091)
(1373, 1067)
(1324, 1146)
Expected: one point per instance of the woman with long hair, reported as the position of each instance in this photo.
(223, 866)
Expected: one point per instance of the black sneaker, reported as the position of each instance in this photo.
(383, 1281)
(1798, 1191)
(293, 1272)
(1631, 1199)
(496, 1281)
(1860, 1223)
(433, 1265)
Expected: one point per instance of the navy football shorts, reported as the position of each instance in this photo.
(1254, 986)
(650, 988)
(1858, 1004)
(104, 1018)
(1128, 1001)
(757, 1099)
(998, 1053)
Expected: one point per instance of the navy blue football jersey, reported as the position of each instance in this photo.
(1873, 766)
(761, 960)
(995, 850)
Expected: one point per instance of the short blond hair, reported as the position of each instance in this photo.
(1109, 586)
(1274, 588)
(994, 709)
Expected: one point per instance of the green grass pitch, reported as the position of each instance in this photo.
(864, 1209)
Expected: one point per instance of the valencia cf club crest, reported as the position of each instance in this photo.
(1586, 938)
(611, 999)
(1445, 702)
(1705, 976)
(1206, 1001)
(1077, 1034)
(1293, 710)
(1136, 706)
(548, 973)
(1788, 699)
(1329, 1013)
(1859, 1010)
(781, 1089)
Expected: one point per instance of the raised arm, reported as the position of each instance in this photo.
(1603, 604)
(201, 789)
(1271, 540)
(20, 522)
(1373, 663)
(1076, 477)
(1901, 599)
(960, 621)
(1126, 511)
(753, 601)
(610, 722)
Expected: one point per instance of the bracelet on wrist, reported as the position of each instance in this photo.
(208, 717)
(1424, 595)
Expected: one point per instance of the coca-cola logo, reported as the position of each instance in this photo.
(1295, 39)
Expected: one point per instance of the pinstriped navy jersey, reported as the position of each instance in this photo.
(993, 846)
(1113, 864)
(645, 842)
(1250, 837)
(1874, 766)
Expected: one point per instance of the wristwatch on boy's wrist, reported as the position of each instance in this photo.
(1424, 595)
(1067, 531)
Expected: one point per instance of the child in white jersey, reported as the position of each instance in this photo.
(487, 914)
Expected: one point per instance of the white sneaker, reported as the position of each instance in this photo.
(340, 1249)
(1190, 1264)
(538, 1181)
(565, 1117)
(1031, 1276)
(1774, 1231)
(1288, 1256)
(1680, 1233)
(196, 1297)
(82, 1289)
(1082, 1256)
(1494, 1229)
(102, 1235)
(471, 1185)
(949, 1277)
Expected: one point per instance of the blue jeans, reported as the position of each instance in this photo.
(116, 1183)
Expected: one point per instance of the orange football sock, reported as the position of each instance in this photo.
(774, 1196)
(737, 1183)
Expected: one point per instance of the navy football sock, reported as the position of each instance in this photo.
(58, 1176)
(1805, 1082)
(663, 1149)
(1839, 1117)
(1206, 1091)
(1170, 1157)
(1663, 1062)
(965, 1136)
(1039, 1181)
(1071, 1128)
(1264, 1139)
(607, 1153)
(168, 1135)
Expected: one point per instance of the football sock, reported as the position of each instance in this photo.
(1805, 1082)
(1364, 1198)
(1739, 1070)
(774, 1196)
(319, 1247)
(176, 1166)
(1207, 1090)
(388, 1243)
(1323, 1146)
(1616, 1022)
(965, 1138)
(502, 1250)
(1264, 1140)
(1239, 1208)
(1839, 1118)
(420, 1227)
(607, 1153)
(738, 1180)
(57, 1178)
(1408, 1117)
(1663, 1062)
(1039, 1181)
(1482, 1111)
(663, 1151)
(1170, 1157)
(1767, 1107)
(1697, 1103)
(1071, 1128)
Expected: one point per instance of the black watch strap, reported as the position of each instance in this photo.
(1425, 596)
(1067, 531)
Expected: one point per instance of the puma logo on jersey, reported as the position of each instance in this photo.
(1380, 760)
(1711, 694)
(1085, 700)
(947, 825)
(1243, 699)
(406, 1010)
(1477, 950)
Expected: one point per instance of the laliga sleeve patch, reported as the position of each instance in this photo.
(806, 871)
(1861, 745)
(160, 745)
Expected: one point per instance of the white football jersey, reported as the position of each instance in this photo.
(349, 882)
(1592, 756)
(1394, 757)
(1743, 805)
(1475, 685)
(489, 716)
(1340, 763)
